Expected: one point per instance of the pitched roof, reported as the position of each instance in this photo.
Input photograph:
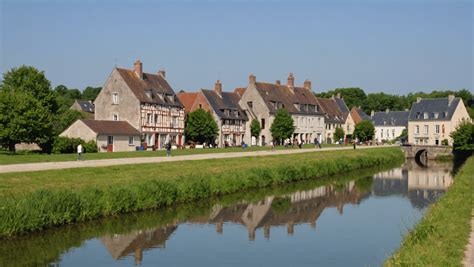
(341, 104)
(187, 99)
(111, 127)
(228, 101)
(86, 106)
(359, 115)
(151, 89)
(391, 118)
(240, 91)
(290, 98)
(433, 106)
(332, 110)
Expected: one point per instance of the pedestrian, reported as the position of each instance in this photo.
(168, 149)
(272, 143)
(300, 143)
(354, 143)
(79, 152)
(315, 142)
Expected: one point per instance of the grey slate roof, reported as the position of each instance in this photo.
(391, 118)
(364, 115)
(86, 106)
(228, 101)
(441, 106)
(341, 104)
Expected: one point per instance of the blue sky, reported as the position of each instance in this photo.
(391, 46)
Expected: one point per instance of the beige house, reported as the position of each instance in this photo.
(224, 106)
(432, 120)
(337, 115)
(261, 101)
(110, 136)
(144, 100)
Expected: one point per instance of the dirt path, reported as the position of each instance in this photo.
(41, 166)
(469, 253)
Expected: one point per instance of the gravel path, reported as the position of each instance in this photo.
(469, 253)
(41, 166)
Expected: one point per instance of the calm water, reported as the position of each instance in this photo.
(353, 220)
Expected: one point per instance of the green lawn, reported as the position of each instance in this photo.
(442, 235)
(14, 183)
(30, 157)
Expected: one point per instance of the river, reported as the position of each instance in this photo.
(354, 219)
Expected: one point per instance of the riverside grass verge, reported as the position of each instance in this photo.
(38, 200)
(6, 158)
(440, 238)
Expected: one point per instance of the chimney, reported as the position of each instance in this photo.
(387, 110)
(138, 68)
(450, 99)
(291, 80)
(307, 85)
(338, 95)
(418, 99)
(277, 82)
(252, 79)
(218, 88)
(372, 113)
(162, 73)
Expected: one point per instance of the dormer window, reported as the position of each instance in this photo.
(297, 106)
(436, 115)
(170, 98)
(425, 115)
(148, 93)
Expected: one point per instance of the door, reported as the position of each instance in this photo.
(110, 143)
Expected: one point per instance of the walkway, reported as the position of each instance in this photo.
(469, 253)
(124, 161)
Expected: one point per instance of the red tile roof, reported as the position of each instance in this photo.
(240, 91)
(187, 99)
(111, 127)
(331, 108)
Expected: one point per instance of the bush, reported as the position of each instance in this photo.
(63, 145)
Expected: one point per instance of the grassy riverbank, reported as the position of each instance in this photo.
(441, 236)
(37, 200)
(32, 157)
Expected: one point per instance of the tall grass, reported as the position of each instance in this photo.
(46, 208)
(442, 235)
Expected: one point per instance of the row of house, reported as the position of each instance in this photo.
(135, 108)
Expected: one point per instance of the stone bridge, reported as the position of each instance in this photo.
(423, 153)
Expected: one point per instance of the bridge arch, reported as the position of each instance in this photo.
(421, 157)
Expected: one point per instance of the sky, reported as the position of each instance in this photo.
(389, 46)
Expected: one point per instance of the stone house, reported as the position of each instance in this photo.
(109, 135)
(144, 100)
(389, 124)
(224, 106)
(431, 121)
(336, 115)
(261, 100)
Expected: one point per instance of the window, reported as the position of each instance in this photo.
(156, 118)
(200, 105)
(250, 104)
(263, 123)
(115, 99)
(130, 141)
(381, 133)
(393, 133)
(436, 115)
(437, 129)
(425, 115)
(425, 129)
(115, 117)
(174, 121)
(417, 129)
(149, 118)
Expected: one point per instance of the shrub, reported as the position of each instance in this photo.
(69, 145)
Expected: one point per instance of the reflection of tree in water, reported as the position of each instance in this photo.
(422, 186)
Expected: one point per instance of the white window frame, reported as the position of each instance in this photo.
(115, 117)
(131, 138)
(115, 98)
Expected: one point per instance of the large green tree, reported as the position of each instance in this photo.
(28, 108)
(200, 127)
(90, 93)
(463, 136)
(364, 131)
(282, 126)
(353, 96)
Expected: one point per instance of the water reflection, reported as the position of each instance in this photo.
(421, 185)
(129, 236)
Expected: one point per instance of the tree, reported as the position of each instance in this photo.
(339, 133)
(282, 127)
(200, 126)
(65, 119)
(463, 136)
(28, 107)
(90, 93)
(364, 130)
(353, 96)
(255, 128)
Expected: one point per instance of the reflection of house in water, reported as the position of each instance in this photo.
(303, 207)
(422, 185)
(121, 245)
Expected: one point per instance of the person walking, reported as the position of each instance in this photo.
(272, 143)
(168, 149)
(79, 152)
(354, 143)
